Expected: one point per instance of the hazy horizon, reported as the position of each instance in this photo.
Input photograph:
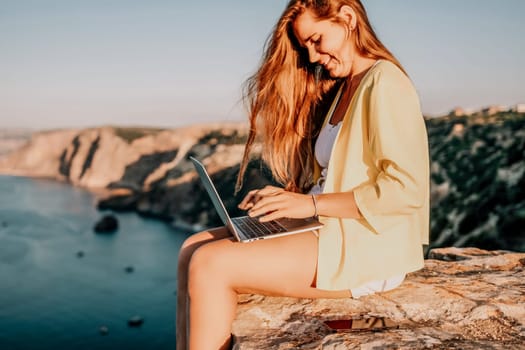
(165, 64)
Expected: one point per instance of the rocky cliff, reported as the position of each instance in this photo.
(12, 139)
(127, 158)
(462, 299)
(478, 181)
(477, 190)
(144, 170)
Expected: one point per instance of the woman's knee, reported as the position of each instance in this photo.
(186, 250)
(195, 241)
(207, 265)
(190, 244)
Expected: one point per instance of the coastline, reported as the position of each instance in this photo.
(477, 174)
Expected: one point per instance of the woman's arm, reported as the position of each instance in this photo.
(399, 144)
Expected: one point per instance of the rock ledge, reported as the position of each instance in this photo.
(470, 299)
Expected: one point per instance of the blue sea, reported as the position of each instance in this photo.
(61, 284)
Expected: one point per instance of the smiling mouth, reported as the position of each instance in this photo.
(326, 63)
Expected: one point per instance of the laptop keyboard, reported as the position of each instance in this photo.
(253, 228)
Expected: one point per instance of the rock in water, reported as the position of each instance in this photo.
(135, 321)
(108, 224)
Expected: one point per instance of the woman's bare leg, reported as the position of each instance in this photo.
(219, 270)
(186, 251)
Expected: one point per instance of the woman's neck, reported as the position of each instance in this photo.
(360, 66)
(350, 86)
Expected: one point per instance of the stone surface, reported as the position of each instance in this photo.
(473, 300)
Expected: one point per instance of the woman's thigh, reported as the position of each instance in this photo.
(284, 266)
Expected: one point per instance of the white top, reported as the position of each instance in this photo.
(325, 142)
(323, 150)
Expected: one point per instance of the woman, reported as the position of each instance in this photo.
(373, 197)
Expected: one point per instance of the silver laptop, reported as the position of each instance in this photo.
(246, 228)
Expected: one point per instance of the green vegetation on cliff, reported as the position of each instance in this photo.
(478, 181)
(132, 133)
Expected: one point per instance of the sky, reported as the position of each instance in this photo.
(84, 63)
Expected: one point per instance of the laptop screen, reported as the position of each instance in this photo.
(212, 191)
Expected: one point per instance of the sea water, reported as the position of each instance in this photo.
(64, 287)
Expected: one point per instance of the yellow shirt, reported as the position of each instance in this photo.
(381, 153)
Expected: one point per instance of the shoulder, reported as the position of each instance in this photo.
(388, 68)
(389, 78)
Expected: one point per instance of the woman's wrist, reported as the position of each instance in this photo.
(340, 204)
(314, 201)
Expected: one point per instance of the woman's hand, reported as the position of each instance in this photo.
(270, 203)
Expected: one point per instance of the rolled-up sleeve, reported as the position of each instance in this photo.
(399, 149)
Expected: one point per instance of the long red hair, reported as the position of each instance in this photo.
(285, 97)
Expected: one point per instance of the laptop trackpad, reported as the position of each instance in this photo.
(290, 224)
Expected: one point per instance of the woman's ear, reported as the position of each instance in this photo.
(348, 15)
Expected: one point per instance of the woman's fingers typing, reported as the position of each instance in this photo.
(283, 204)
(270, 190)
(265, 205)
(249, 200)
(254, 196)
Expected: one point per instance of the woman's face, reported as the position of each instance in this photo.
(328, 43)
